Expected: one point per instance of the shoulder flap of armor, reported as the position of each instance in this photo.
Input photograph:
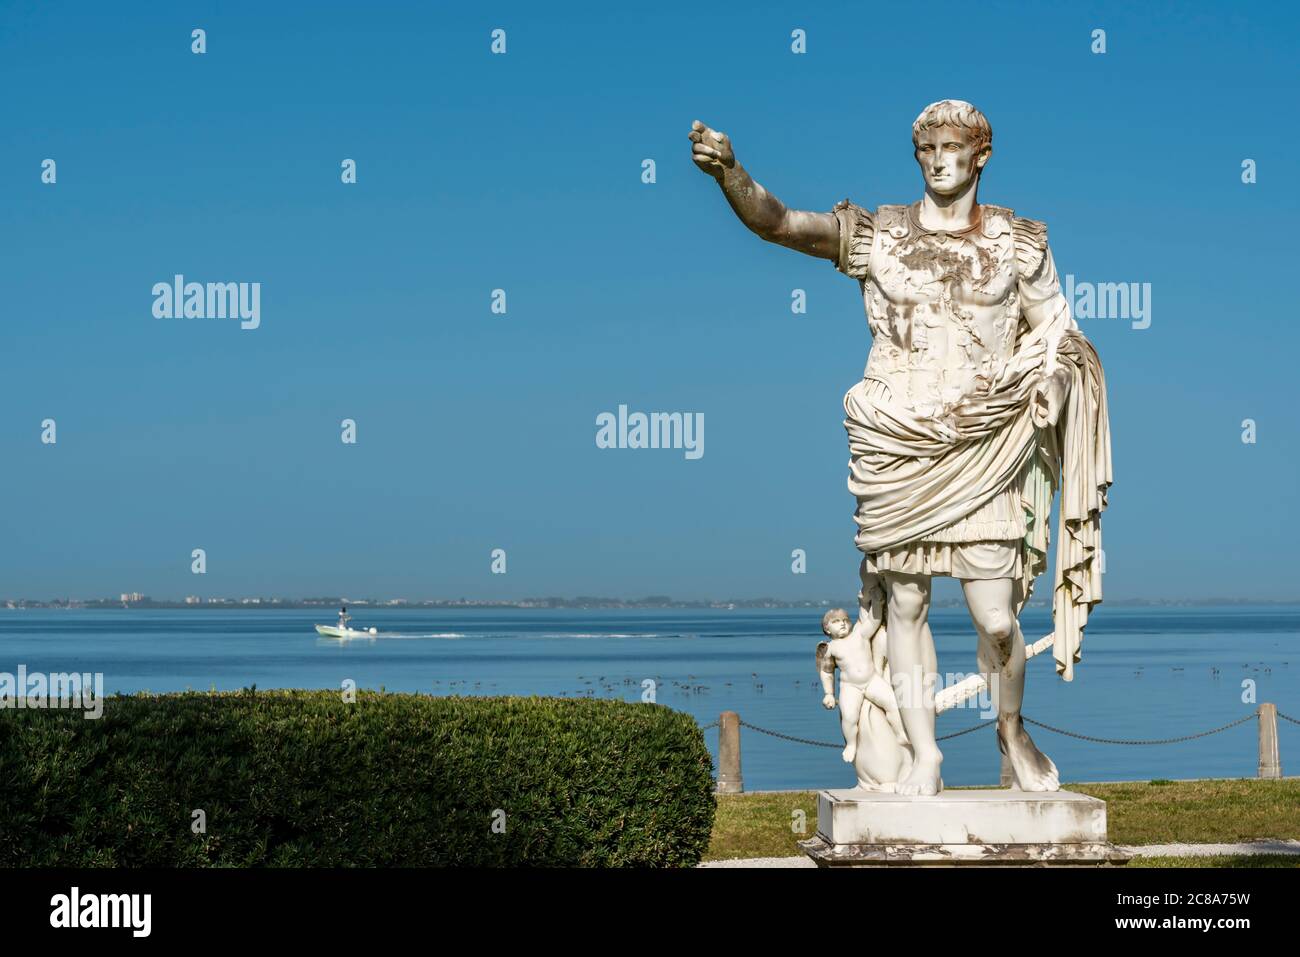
(852, 211)
(893, 219)
(1030, 232)
(1031, 244)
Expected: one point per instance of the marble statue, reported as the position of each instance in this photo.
(980, 400)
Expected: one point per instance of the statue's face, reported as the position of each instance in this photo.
(840, 626)
(948, 159)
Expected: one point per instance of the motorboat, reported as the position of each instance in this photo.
(332, 631)
(341, 630)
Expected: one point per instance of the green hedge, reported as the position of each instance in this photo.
(300, 778)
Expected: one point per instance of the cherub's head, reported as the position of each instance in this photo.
(836, 623)
(953, 141)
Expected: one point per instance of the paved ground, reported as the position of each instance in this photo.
(1146, 850)
(799, 861)
(1207, 850)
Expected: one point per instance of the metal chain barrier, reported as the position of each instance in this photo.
(827, 744)
(1039, 724)
(1186, 737)
(1288, 718)
(788, 737)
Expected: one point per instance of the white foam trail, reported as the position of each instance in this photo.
(436, 634)
(452, 635)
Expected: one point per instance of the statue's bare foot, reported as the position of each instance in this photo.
(850, 751)
(924, 778)
(1034, 770)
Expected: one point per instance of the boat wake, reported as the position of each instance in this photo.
(436, 634)
(455, 635)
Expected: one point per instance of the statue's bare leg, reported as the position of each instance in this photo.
(912, 664)
(851, 707)
(1001, 655)
(879, 693)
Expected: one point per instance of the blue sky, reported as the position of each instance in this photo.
(523, 172)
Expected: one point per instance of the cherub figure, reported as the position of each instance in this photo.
(861, 678)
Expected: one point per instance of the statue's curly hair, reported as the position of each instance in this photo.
(830, 615)
(956, 113)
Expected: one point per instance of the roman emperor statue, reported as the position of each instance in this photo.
(980, 399)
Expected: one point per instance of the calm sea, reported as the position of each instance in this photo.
(1145, 673)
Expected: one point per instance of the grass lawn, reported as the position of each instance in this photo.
(1157, 812)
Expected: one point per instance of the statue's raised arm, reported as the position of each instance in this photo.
(816, 234)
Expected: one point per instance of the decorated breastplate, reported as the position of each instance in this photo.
(942, 306)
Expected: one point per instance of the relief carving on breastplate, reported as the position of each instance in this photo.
(946, 305)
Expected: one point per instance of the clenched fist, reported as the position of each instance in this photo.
(711, 150)
(1047, 401)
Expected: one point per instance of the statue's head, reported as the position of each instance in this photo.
(836, 623)
(953, 141)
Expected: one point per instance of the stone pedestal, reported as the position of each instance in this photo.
(987, 827)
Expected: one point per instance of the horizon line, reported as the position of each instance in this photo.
(139, 600)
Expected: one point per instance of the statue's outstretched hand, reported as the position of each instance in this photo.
(711, 150)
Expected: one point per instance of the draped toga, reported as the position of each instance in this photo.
(950, 474)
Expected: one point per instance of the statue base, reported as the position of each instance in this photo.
(857, 828)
